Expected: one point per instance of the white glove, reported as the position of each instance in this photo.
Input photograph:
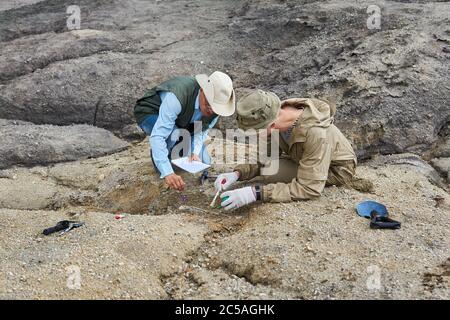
(229, 178)
(237, 198)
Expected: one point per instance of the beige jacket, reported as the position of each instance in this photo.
(315, 151)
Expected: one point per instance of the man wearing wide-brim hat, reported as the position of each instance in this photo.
(183, 103)
(314, 151)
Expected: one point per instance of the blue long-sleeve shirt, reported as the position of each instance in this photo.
(161, 138)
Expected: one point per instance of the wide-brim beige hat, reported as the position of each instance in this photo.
(218, 90)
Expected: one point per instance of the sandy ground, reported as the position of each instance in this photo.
(314, 250)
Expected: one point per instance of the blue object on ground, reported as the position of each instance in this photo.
(366, 207)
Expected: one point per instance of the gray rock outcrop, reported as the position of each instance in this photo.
(28, 145)
(391, 84)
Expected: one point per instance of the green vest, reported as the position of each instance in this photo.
(185, 89)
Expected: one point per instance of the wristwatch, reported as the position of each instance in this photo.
(258, 191)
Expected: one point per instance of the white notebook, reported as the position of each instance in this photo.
(192, 167)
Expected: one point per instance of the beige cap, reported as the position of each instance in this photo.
(257, 109)
(218, 90)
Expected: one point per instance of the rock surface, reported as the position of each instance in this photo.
(443, 166)
(390, 84)
(59, 88)
(25, 144)
(413, 160)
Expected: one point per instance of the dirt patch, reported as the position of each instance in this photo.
(440, 279)
(128, 198)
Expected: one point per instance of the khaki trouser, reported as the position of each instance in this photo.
(340, 172)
